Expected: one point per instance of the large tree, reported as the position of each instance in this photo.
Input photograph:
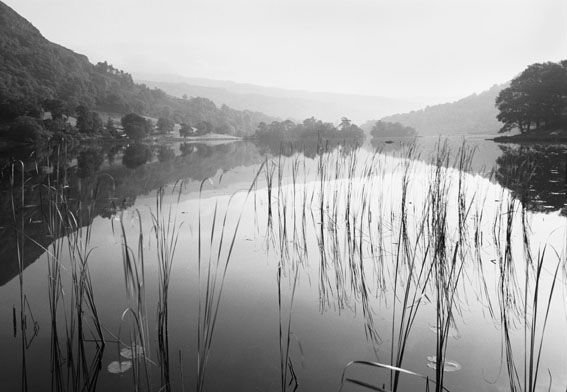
(165, 125)
(536, 99)
(136, 126)
(185, 130)
(88, 122)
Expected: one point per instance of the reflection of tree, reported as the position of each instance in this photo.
(114, 182)
(136, 155)
(308, 149)
(165, 154)
(535, 175)
(204, 150)
(187, 148)
(111, 153)
(89, 161)
(386, 146)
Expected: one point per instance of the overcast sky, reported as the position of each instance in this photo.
(402, 48)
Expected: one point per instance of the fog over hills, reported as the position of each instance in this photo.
(285, 104)
(475, 114)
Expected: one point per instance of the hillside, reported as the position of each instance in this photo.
(34, 70)
(475, 114)
(286, 104)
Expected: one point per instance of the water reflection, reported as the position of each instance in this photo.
(103, 187)
(536, 175)
(366, 243)
(136, 155)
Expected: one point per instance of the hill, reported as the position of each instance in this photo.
(34, 71)
(475, 114)
(283, 103)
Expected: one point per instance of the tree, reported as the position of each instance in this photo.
(26, 129)
(110, 128)
(388, 129)
(345, 123)
(165, 125)
(537, 97)
(204, 127)
(185, 130)
(88, 122)
(135, 126)
(56, 107)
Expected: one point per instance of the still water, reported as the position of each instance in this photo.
(254, 267)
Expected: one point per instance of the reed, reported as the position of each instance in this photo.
(166, 230)
(212, 275)
(17, 202)
(135, 283)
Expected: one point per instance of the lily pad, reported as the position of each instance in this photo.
(116, 367)
(453, 332)
(134, 351)
(448, 365)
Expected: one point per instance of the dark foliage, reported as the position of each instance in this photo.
(136, 126)
(26, 129)
(185, 130)
(88, 122)
(383, 129)
(165, 125)
(536, 99)
(89, 161)
(310, 130)
(136, 155)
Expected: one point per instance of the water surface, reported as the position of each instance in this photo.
(308, 258)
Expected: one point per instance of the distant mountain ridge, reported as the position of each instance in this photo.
(282, 103)
(34, 70)
(475, 114)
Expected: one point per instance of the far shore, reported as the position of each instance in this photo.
(535, 136)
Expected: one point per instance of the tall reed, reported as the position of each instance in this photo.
(166, 231)
(212, 274)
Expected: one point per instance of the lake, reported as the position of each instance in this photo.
(220, 266)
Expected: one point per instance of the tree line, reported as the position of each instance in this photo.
(310, 129)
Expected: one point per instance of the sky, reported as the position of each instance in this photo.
(393, 48)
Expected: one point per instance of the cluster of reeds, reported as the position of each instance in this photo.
(76, 338)
(212, 272)
(520, 304)
(166, 231)
(135, 314)
(17, 201)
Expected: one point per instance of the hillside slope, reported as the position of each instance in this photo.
(33, 70)
(283, 103)
(475, 114)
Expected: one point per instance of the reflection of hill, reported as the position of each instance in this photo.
(109, 185)
(535, 175)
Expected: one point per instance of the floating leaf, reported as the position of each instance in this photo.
(448, 365)
(453, 332)
(135, 351)
(116, 367)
